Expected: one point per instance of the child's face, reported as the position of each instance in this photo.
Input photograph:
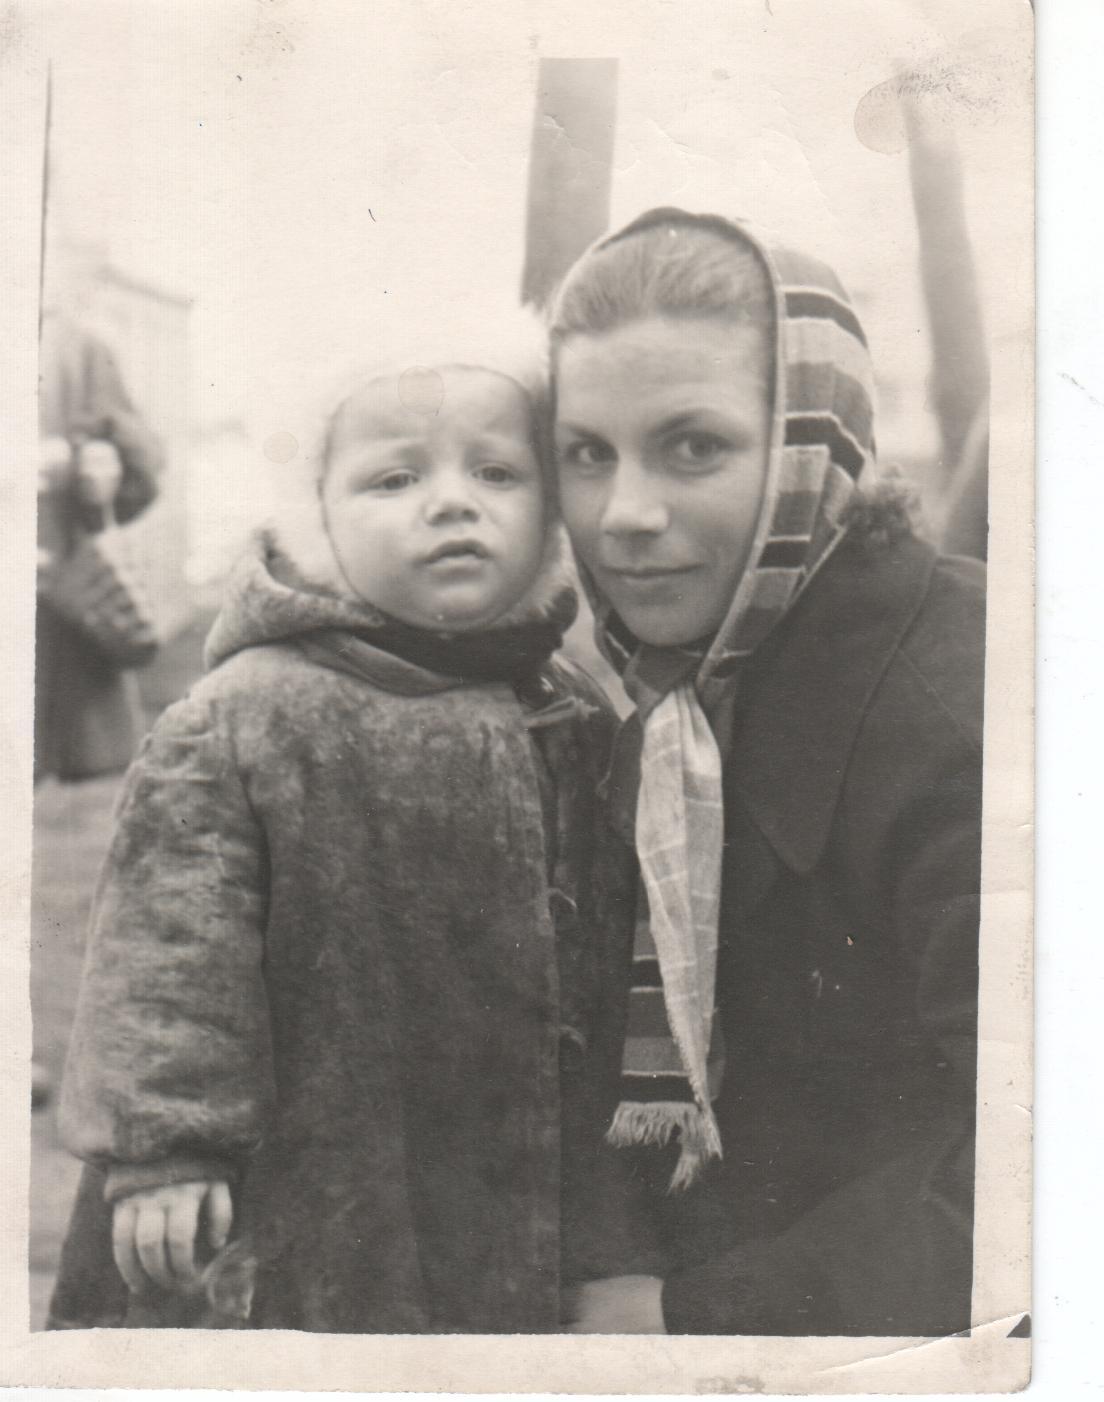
(437, 518)
(663, 438)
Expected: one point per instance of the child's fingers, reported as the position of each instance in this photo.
(149, 1238)
(183, 1219)
(220, 1215)
(122, 1245)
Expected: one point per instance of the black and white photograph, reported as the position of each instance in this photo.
(528, 772)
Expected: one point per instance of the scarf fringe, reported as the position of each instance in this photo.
(654, 1123)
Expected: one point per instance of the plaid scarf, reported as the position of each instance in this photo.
(821, 448)
(672, 1063)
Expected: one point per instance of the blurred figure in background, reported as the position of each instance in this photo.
(98, 466)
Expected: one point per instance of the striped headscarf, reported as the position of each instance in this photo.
(821, 449)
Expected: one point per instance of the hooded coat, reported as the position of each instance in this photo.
(347, 953)
(845, 691)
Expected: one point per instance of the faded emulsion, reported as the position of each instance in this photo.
(510, 680)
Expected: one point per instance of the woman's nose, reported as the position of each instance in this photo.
(635, 505)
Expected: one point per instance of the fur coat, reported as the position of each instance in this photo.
(348, 953)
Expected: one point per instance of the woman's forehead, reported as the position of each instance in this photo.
(663, 356)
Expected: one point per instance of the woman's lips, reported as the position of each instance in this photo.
(647, 572)
(645, 586)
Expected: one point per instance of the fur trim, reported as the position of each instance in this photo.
(885, 512)
(554, 576)
(510, 341)
(297, 531)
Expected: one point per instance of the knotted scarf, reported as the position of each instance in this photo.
(672, 1062)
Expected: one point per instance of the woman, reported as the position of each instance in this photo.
(802, 776)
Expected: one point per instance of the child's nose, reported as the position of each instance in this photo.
(451, 497)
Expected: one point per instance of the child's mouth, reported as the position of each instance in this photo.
(458, 550)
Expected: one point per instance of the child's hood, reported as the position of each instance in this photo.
(288, 584)
(268, 601)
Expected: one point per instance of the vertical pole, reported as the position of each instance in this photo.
(568, 207)
(45, 190)
(570, 168)
(959, 381)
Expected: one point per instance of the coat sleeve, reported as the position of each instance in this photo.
(169, 1073)
(891, 1250)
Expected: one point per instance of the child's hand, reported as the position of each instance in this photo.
(154, 1232)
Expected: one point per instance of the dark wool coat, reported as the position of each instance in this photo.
(847, 977)
(86, 711)
(325, 964)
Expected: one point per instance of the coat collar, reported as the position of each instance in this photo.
(808, 690)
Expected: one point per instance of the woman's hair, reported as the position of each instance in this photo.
(677, 268)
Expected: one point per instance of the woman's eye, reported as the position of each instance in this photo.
(588, 454)
(698, 449)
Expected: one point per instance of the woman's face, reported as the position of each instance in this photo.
(663, 438)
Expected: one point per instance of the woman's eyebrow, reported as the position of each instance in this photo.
(702, 421)
(677, 421)
(567, 427)
(689, 418)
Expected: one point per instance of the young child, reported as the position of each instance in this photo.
(345, 947)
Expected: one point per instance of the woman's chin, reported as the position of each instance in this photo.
(657, 629)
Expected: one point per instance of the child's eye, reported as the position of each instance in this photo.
(497, 473)
(698, 449)
(394, 481)
(588, 454)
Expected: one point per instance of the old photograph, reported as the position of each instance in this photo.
(531, 694)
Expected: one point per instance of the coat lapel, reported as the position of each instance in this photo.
(808, 691)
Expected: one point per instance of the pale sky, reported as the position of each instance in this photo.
(322, 176)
